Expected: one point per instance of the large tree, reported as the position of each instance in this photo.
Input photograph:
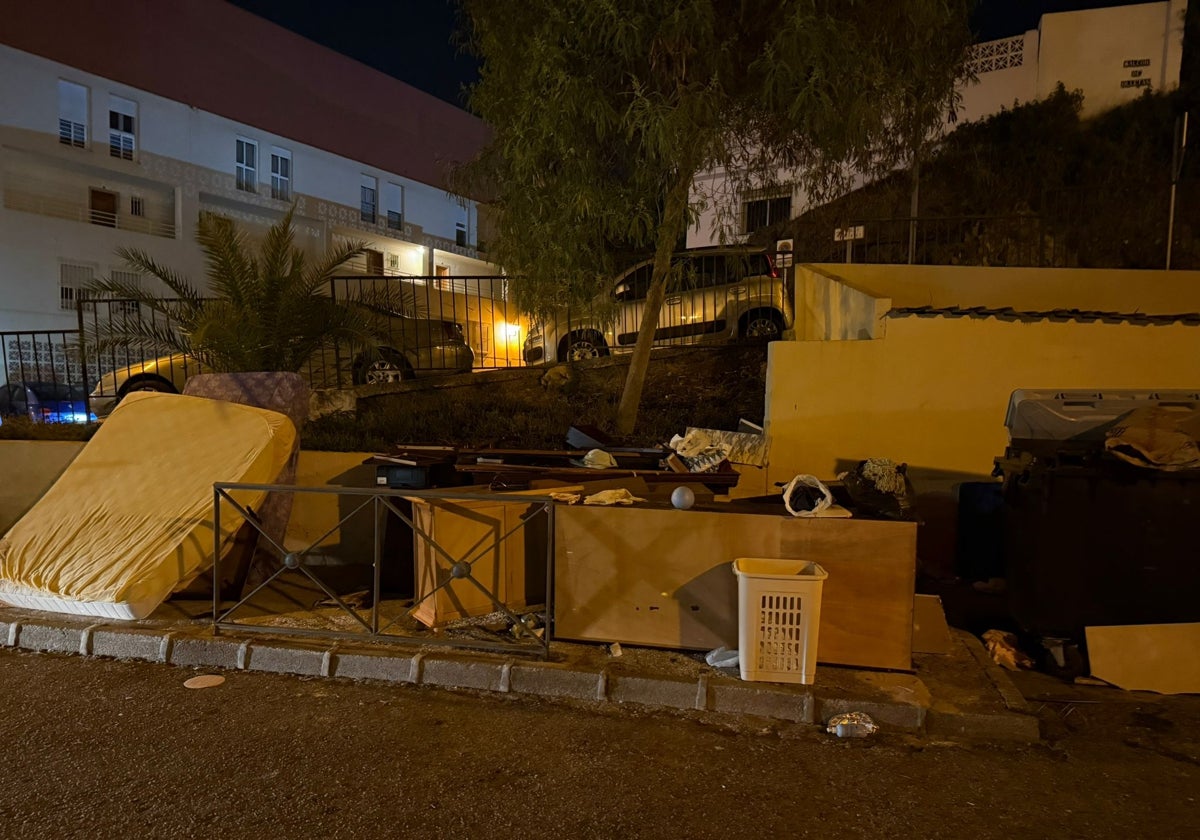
(604, 111)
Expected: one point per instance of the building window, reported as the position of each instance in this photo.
(72, 280)
(460, 235)
(368, 202)
(122, 120)
(247, 165)
(72, 114)
(393, 205)
(137, 205)
(393, 263)
(764, 212)
(281, 174)
(125, 306)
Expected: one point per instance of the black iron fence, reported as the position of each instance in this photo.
(1148, 224)
(44, 376)
(1020, 240)
(440, 567)
(428, 326)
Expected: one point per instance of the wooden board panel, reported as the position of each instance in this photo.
(468, 531)
(931, 633)
(663, 578)
(1146, 657)
(867, 601)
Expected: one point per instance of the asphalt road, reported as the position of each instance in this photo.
(104, 749)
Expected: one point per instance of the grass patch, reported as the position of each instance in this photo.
(708, 387)
(22, 428)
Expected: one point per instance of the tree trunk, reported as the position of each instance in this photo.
(668, 232)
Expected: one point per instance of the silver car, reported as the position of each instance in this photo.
(712, 295)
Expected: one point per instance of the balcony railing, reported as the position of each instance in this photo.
(30, 197)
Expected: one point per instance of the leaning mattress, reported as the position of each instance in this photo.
(131, 518)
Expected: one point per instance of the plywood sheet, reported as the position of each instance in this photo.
(663, 578)
(1147, 657)
(472, 532)
(931, 634)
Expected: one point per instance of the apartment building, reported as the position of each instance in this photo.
(1112, 55)
(121, 123)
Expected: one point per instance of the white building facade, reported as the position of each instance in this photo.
(1111, 55)
(90, 163)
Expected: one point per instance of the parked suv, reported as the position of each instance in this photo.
(713, 295)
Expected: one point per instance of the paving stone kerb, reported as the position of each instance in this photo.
(453, 669)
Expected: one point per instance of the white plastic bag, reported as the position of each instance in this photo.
(722, 657)
(814, 487)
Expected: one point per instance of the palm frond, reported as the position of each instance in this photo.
(270, 308)
(152, 337)
(231, 271)
(141, 262)
(319, 273)
(278, 246)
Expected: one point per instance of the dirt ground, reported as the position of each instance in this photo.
(97, 748)
(710, 387)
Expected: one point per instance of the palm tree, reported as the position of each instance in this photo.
(268, 311)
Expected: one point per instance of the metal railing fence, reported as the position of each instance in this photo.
(45, 199)
(1017, 240)
(295, 598)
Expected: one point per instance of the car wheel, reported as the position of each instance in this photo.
(158, 385)
(765, 324)
(580, 346)
(382, 369)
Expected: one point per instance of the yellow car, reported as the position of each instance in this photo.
(415, 346)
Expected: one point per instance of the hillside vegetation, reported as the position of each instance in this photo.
(1043, 186)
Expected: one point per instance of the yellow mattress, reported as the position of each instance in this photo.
(132, 517)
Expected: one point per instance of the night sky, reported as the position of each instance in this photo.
(411, 39)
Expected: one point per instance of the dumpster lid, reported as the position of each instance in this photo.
(1085, 415)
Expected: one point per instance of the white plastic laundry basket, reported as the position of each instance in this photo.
(779, 614)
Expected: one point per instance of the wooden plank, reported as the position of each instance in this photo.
(867, 601)
(1147, 657)
(931, 633)
(470, 532)
(663, 578)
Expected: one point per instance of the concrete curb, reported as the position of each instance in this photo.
(452, 669)
(1019, 724)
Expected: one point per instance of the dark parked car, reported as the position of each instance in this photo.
(45, 402)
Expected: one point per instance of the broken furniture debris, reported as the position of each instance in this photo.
(652, 575)
(656, 570)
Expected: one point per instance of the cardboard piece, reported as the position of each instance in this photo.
(1147, 657)
(931, 633)
(664, 578)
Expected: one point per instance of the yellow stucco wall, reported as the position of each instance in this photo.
(933, 392)
(315, 514)
(1150, 292)
(32, 467)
